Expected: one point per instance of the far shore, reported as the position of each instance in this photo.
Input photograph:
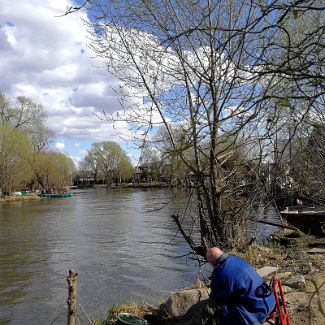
(13, 198)
(34, 196)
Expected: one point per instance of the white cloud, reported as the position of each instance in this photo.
(59, 146)
(45, 57)
(76, 160)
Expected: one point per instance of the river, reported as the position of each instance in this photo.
(122, 244)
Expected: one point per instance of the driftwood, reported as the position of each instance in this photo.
(72, 297)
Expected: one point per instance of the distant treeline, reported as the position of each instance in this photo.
(25, 161)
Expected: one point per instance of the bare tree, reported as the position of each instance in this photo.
(28, 116)
(215, 70)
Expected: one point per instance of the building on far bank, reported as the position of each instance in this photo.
(86, 181)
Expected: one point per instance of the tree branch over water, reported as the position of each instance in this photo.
(212, 85)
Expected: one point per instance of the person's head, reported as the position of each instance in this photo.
(213, 255)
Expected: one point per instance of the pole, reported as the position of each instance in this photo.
(72, 297)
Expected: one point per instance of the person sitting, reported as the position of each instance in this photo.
(238, 293)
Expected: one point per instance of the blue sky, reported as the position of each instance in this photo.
(45, 57)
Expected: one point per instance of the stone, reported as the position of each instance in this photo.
(296, 282)
(180, 302)
(267, 270)
(283, 275)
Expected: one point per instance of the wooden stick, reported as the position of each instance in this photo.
(72, 297)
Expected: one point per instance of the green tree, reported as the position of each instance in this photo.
(54, 171)
(24, 138)
(15, 159)
(126, 170)
(110, 160)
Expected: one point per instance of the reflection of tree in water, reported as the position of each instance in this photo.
(18, 234)
(12, 277)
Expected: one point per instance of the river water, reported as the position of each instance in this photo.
(122, 244)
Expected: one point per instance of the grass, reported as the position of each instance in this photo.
(130, 307)
(20, 198)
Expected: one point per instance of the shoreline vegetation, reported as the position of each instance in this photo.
(297, 259)
(34, 196)
(15, 198)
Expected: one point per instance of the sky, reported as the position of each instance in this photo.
(45, 57)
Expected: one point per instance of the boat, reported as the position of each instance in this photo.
(307, 219)
(53, 195)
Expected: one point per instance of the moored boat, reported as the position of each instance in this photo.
(307, 219)
(54, 195)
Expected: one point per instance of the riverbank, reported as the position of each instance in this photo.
(14, 198)
(131, 185)
(298, 260)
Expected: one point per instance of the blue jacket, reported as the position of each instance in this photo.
(243, 295)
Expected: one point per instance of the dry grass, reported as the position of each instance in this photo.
(277, 251)
(20, 198)
(289, 251)
(131, 307)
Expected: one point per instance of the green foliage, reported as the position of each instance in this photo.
(23, 140)
(126, 169)
(15, 158)
(108, 159)
(285, 102)
(53, 170)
